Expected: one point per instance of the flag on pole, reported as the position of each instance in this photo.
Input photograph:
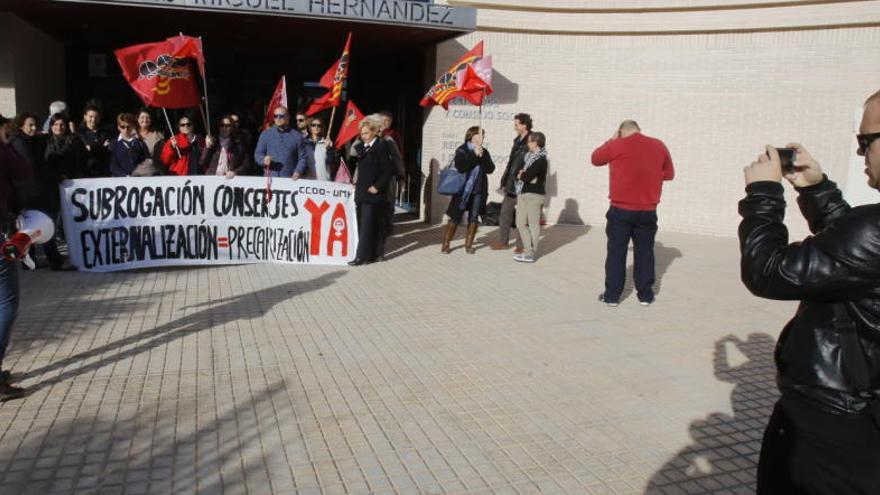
(160, 73)
(333, 80)
(342, 175)
(191, 46)
(446, 87)
(350, 123)
(475, 82)
(279, 99)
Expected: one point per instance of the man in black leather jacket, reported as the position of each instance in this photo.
(824, 433)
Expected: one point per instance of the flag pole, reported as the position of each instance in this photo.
(171, 130)
(207, 114)
(330, 125)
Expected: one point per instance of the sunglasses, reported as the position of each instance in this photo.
(865, 141)
(225, 125)
(280, 115)
(186, 124)
(300, 120)
(316, 125)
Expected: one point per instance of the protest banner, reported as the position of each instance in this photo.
(124, 223)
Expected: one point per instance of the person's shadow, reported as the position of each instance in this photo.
(663, 258)
(211, 314)
(725, 449)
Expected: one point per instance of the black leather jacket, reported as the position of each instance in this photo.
(839, 263)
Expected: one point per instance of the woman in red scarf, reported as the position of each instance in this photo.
(182, 151)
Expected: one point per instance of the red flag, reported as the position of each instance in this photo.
(342, 175)
(187, 46)
(350, 123)
(279, 99)
(446, 86)
(475, 83)
(333, 80)
(160, 73)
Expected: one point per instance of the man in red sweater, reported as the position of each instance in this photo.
(639, 164)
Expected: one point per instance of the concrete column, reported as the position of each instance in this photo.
(32, 72)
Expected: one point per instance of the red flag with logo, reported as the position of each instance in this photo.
(279, 99)
(475, 82)
(446, 87)
(161, 73)
(334, 80)
(350, 123)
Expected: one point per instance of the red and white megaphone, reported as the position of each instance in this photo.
(34, 227)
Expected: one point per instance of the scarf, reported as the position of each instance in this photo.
(471, 182)
(530, 158)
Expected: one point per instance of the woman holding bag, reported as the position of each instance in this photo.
(475, 162)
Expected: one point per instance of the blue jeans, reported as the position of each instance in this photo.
(641, 227)
(9, 296)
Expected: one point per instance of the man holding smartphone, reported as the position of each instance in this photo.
(824, 433)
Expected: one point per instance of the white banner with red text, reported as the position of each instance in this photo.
(136, 222)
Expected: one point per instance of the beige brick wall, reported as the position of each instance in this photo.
(715, 99)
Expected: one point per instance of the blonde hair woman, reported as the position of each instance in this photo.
(374, 172)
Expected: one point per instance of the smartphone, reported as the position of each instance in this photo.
(786, 159)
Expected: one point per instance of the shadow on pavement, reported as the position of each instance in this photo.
(723, 457)
(244, 306)
(663, 258)
(156, 451)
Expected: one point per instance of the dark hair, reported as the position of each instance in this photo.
(20, 119)
(91, 108)
(539, 138)
(323, 130)
(4, 120)
(471, 132)
(524, 119)
(233, 131)
(63, 118)
(127, 118)
(147, 111)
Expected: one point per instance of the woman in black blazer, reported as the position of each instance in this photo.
(475, 161)
(374, 172)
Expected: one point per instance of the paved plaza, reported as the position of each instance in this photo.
(423, 374)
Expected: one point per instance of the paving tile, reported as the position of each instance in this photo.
(422, 374)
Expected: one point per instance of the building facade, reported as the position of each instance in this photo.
(714, 79)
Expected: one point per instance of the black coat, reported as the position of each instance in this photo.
(40, 192)
(535, 177)
(515, 162)
(465, 160)
(240, 160)
(840, 263)
(97, 157)
(66, 155)
(375, 168)
(125, 158)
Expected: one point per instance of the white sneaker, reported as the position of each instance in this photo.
(518, 257)
(645, 303)
(528, 258)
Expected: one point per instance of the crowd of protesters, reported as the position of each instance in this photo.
(131, 145)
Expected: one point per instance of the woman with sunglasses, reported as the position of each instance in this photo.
(226, 155)
(181, 153)
(127, 151)
(319, 153)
